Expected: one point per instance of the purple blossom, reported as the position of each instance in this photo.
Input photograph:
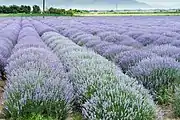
(147, 39)
(117, 39)
(134, 34)
(176, 43)
(164, 40)
(105, 34)
(155, 72)
(128, 59)
(166, 51)
(80, 37)
(132, 43)
(36, 75)
(84, 40)
(102, 47)
(42, 28)
(91, 44)
(92, 76)
(112, 51)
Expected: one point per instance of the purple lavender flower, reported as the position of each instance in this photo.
(164, 40)
(147, 39)
(166, 51)
(128, 59)
(112, 51)
(156, 72)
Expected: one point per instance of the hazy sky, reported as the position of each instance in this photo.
(165, 3)
(153, 3)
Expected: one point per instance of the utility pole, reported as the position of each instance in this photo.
(116, 7)
(44, 2)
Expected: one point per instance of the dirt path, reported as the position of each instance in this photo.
(168, 113)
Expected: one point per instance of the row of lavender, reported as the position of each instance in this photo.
(101, 90)
(8, 36)
(142, 34)
(75, 75)
(110, 48)
(36, 80)
(40, 83)
(156, 67)
(127, 57)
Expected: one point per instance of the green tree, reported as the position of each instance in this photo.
(70, 12)
(36, 9)
(25, 9)
(13, 9)
(1, 9)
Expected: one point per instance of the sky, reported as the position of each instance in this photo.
(67, 3)
(163, 3)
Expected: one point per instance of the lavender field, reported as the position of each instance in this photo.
(101, 68)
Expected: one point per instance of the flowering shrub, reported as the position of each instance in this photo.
(127, 59)
(164, 40)
(134, 34)
(36, 83)
(166, 51)
(147, 39)
(112, 51)
(157, 74)
(42, 28)
(7, 40)
(96, 79)
(176, 43)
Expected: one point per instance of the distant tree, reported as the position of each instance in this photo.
(5, 9)
(62, 11)
(1, 9)
(178, 10)
(25, 9)
(13, 9)
(22, 7)
(70, 12)
(57, 11)
(28, 9)
(111, 11)
(36, 9)
(51, 10)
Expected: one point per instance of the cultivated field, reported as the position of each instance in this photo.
(94, 68)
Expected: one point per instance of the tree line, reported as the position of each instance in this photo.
(64, 12)
(14, 9)
(19, 9)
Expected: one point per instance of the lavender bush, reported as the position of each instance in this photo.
(166, 51)
(112, 51)
(42, 28)
(134, 34)
(147, 39)
(176, 43)
(127, 59)
(164, 40)
(101, 48)
(91, 76)
(158, 74)
(36, 83)
(7, 40)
